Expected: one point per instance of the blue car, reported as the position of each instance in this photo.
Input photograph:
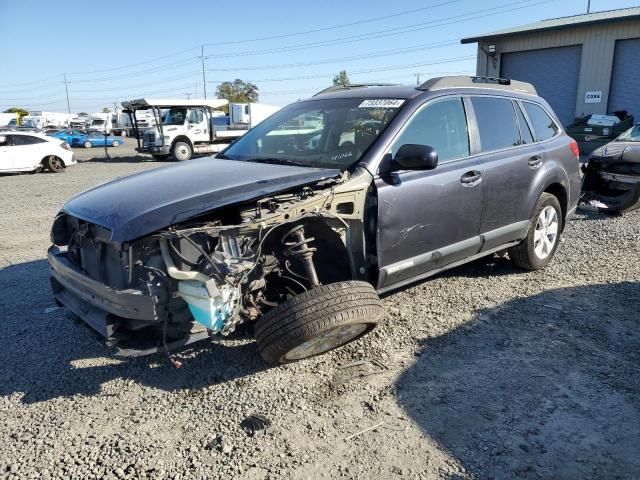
(97, 139)
(71, 136)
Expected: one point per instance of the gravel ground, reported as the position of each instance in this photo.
(483, 372)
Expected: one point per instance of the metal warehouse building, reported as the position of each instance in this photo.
(583, 64)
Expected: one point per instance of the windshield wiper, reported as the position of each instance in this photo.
(276, 161)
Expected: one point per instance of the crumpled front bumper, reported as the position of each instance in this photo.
(97, 304)
(608, 191)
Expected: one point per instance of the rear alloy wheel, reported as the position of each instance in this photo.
(537, 249)
(54, 164)
(88, 144)
(318, 321)
(115, 143)
(182, 151)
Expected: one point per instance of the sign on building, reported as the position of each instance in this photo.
(593, 97)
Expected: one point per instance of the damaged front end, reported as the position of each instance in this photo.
(211, 273)
(611, 181)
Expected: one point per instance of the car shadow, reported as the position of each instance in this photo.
(47, 355)
(546, 386)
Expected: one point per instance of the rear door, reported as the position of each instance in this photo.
(510, 160)
(430, 218)
(26, 152)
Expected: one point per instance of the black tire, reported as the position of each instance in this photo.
(160, 157)
(54, 164)
(350, 308)
(182, 151)
(524, 254)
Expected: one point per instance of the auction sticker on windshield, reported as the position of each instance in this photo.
(381, 103)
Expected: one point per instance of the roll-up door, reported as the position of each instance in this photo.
(553, 71)
(624, 93)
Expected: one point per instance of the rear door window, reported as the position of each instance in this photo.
(19, 140)
(442, 125)
(544, 127)
(525, 132)
(496, 121)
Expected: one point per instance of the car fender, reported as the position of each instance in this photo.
(548, 176)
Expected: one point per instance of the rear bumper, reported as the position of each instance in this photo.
(95, 303)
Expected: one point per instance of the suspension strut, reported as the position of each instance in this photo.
(297, 246)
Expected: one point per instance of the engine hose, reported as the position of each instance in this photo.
(173, 271)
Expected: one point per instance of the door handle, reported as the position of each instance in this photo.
(536, 161)
(471, 178)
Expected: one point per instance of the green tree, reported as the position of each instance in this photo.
(106, 110)
(238, 91)
(341, 79)
(20, 111)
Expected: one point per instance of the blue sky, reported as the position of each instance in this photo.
(129, 49)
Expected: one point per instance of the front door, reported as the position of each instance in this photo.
(197, 125)
(6, 156)
(428, 219)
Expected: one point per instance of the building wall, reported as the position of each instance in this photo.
(598, 48)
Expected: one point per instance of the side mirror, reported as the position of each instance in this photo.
(412, 156)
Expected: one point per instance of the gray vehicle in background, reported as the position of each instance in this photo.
(303, 221)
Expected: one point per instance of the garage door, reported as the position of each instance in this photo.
(624, 93)
(553, 71)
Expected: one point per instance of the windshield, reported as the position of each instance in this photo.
(631, 135)
(97, 122)
(175, 116)
(332, 133)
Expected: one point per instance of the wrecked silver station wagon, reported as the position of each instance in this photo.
(302, 222)
(612, 175)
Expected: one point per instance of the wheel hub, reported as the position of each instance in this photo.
(326, 341)
(546, 232)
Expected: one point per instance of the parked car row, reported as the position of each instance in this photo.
(77, 138)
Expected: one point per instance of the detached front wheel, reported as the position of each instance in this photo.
(317, 321)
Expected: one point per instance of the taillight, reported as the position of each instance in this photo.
(65, 145)
(573, 145)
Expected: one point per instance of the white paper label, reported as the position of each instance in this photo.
(593, 97)
(381, 103)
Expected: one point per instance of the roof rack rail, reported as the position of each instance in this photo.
(462, 81)
(335, 88)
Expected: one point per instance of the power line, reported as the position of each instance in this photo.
(334, 27)
(389, 32)
(372, 70)
(377, 54)
(367, 36)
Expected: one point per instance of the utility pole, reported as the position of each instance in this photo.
(188, 95)
(204, 78)
(196, 89)
(66, 89)
(417, 75)
(588, 6)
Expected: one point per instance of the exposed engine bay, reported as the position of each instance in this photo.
(216, 271)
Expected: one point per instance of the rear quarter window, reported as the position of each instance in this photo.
(496, 123)
(544, 127)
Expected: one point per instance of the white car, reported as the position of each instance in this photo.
(33, 152)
